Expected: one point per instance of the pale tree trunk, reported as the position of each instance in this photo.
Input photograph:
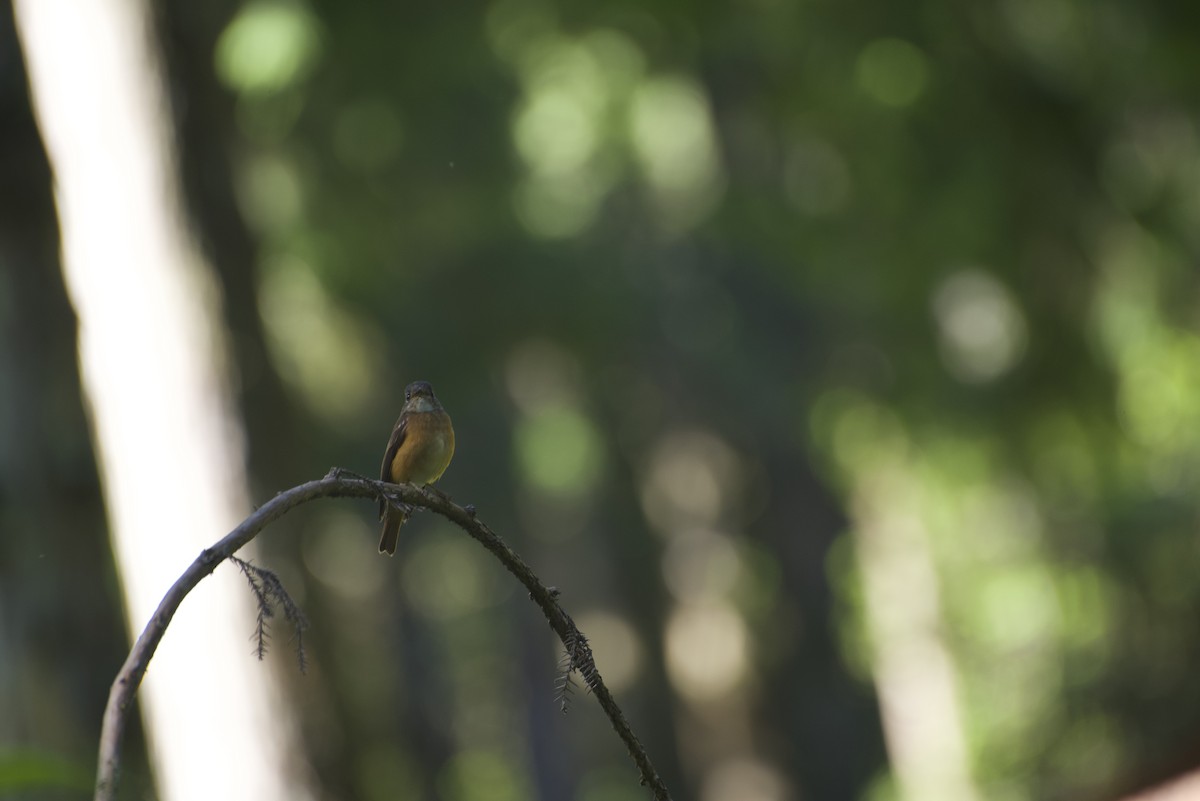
(153, 363)
(915, 673)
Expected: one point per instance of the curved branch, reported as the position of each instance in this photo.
(341, 484)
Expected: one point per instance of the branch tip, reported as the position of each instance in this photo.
(268, 591)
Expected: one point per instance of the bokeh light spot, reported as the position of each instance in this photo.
(706, 650)
(323, 350)
(540, 375)
(270, 193)
(335, 555)
(559, 451)
(672, 135)
(1017, 608)
(1160, 394)
(856, 432)
(744, 779)
(555, 131)
(1157, 363)
(559, 128)
(982, 329)
(268, 46)
(893, 72)
(690, 478)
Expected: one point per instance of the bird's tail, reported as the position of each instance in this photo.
(393, 519)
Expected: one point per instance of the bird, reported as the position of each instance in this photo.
(418, 452)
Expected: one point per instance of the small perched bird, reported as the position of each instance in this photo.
(419, 451)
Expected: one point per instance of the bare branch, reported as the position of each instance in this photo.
(343, 484)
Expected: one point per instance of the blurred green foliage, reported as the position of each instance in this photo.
(25, 772)
(839, 363)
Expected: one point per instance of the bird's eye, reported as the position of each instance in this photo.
(407, 395)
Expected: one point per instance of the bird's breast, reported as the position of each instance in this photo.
(427, 450)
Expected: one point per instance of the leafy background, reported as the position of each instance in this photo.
(838, 362)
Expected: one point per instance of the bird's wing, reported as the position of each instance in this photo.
(385, 470)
